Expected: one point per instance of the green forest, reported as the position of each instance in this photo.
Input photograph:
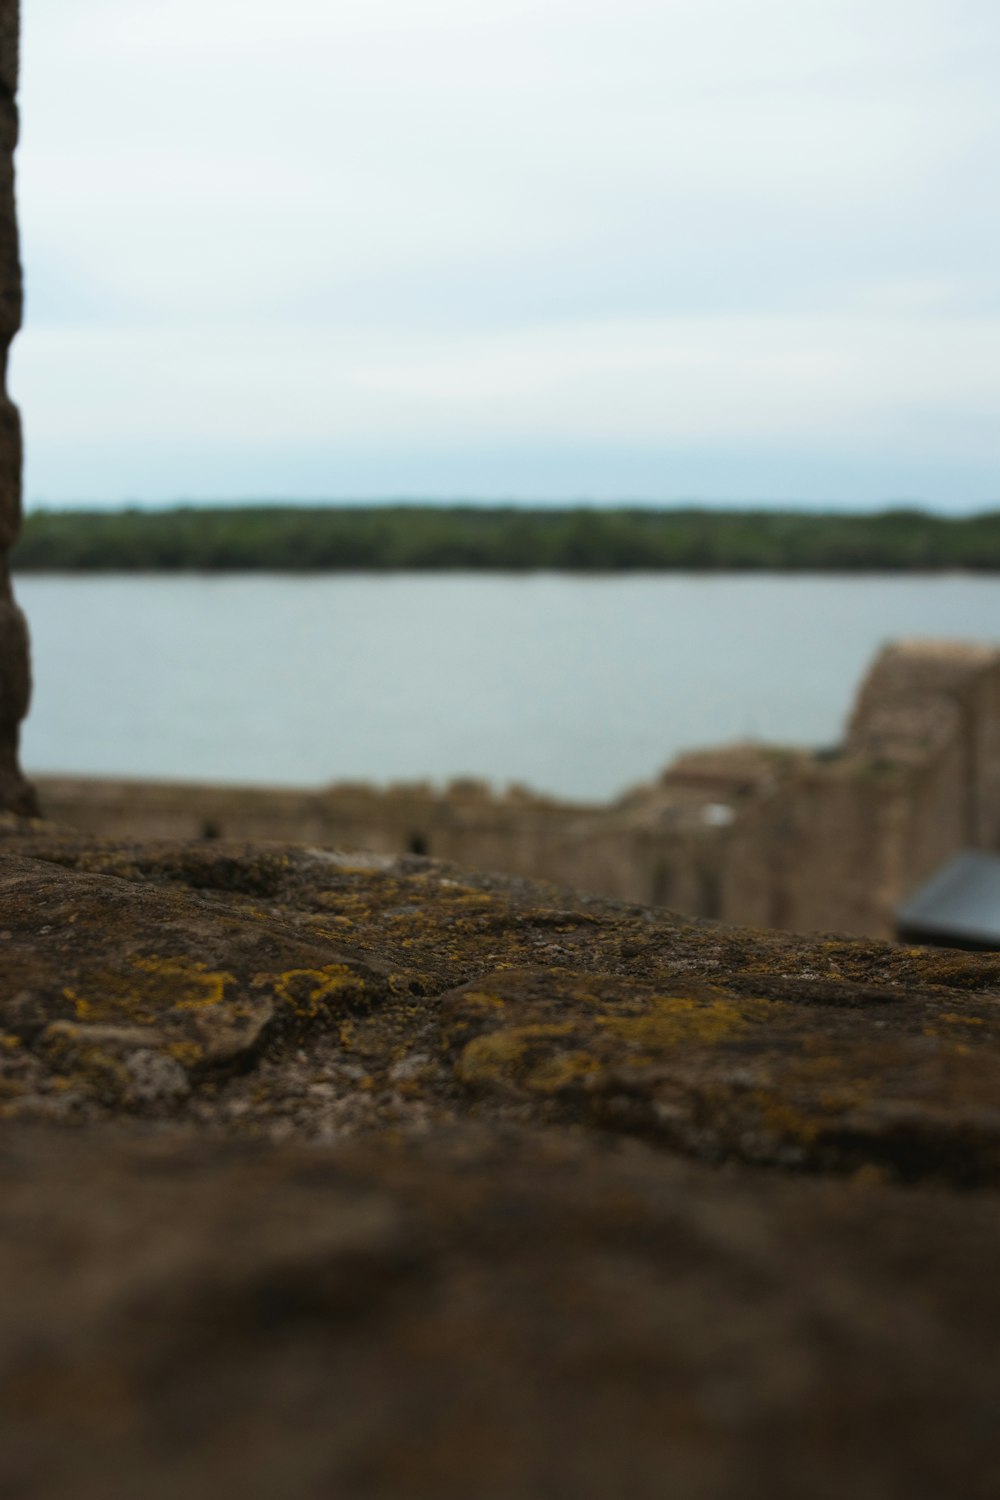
(312, 538)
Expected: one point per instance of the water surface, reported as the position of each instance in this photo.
(576, 685)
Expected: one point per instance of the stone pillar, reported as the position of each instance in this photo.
(15, 679)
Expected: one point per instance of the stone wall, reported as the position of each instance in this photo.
(379, 1179)
(15, 682)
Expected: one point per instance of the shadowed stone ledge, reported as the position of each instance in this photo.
(327, 1174)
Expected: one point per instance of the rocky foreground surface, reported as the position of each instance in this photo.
(333, 1176)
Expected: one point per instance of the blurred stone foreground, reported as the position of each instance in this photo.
(356, 1176)
(15, 794)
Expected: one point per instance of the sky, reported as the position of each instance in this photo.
(727, 250)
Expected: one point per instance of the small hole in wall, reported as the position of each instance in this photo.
(709, 894)
(663, 884)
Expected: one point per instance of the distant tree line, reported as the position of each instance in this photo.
(299, 538)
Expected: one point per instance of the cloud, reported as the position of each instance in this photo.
(648, 381)
(510, 222)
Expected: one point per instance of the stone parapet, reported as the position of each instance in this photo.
(368, 1177)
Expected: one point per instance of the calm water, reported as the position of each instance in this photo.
(578, 686)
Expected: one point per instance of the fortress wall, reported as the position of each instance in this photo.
(985, 749)
(681, 868)
(837, 874)
(842, 843)
(117, 808)
(448, 825)
(937, 822)
(793, 856)
(748, 869)
(931, 711)
(15, 794)
(837, 849)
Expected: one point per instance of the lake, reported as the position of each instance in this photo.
(576, 685)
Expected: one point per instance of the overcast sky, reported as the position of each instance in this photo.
(726, 249)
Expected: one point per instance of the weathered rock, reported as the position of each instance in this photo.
(367, 997)
(392, 1180)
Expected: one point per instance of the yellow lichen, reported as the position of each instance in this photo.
(500, 1054)
(674, 1021)
(160, 984)
(565, 1070)
(481, 1002)
(188, 1054)
(548, 1056)
(202, 986)
(305, 990)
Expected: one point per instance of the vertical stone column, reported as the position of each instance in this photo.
(15, 679)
